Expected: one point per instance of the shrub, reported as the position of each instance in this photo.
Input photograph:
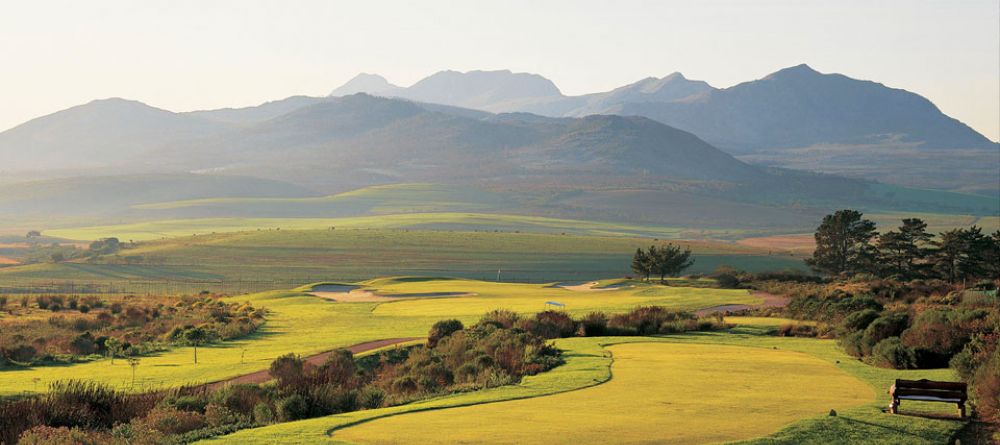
(189, 403)
(287, 369)
(19, 353)
(293, 407)
(263, 414)
(892, 353)
(46, 435)
(169, 420)
(595, 324)
(554, 324)
(888, 325)
(858, 321)
(442, 329)
(499, 318)
(371, 398)
(218, 415)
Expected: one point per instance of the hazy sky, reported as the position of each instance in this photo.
(186, 55)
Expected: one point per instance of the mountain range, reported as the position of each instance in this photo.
(597, 157)
(795, 117)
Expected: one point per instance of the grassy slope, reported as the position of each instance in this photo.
(589, 364)
(305, 324)
(290, 258)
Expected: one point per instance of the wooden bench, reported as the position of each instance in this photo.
(928, 391)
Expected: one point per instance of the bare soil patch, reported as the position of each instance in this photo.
(770, 300)
(801, 244)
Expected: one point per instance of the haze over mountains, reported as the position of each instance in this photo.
(795, 117)
(631, 154)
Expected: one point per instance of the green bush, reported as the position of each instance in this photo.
(892, 353)
(293, 407)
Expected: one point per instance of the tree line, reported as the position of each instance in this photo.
(663, 261)
(848, 244)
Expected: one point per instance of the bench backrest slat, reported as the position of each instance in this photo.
(930, 385)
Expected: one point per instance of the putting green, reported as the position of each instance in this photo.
(659, 393)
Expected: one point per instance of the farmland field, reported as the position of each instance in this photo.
(264, 260)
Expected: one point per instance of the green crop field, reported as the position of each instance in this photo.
(776, 375)
(305, 324)
(264, 260)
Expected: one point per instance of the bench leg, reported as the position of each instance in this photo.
(961, 410)
(894, 406)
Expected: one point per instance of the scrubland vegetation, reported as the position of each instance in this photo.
(499, 349)
(45, 329)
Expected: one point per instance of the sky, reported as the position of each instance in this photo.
(184, 55)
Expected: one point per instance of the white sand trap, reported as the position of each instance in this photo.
(343, 293)
(587, 287)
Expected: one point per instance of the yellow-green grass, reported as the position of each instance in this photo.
(255, 261)
(152, 230)
(588, 364)
(305, 324)
(665, 393)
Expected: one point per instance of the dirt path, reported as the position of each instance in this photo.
(318, 359)
(770, 300)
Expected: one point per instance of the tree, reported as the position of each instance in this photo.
(114, 347)
(963, 254)
(195, 337)
(991, 257)
(842, 243)
(133, 362)
(902, 252)
(669, 260)
(640, 264)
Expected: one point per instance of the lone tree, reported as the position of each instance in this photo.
(195, 337)
(114, 347)
(663, 261)
(843, 243)
(670, 260)
(134, 363)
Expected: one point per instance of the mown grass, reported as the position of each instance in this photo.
(589, 364)
(660, 393)
(305, 325)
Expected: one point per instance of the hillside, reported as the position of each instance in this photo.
(795, 118)
(100, 134)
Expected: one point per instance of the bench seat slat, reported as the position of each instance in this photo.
(931, 399)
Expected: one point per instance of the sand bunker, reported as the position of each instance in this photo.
(343, 293)
(587, 287)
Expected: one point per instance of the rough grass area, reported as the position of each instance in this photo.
(589, 364)
(306, 324)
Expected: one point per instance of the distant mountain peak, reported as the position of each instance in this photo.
(365, 83)
(798, 71)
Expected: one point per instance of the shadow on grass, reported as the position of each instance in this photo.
(902, 432)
